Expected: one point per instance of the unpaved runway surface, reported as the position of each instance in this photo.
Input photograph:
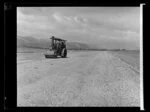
(94, 78)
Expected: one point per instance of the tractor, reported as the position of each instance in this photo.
(57, 48)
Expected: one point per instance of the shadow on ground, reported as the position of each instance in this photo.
(55, 57)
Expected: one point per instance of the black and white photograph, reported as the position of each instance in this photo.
(79, 57)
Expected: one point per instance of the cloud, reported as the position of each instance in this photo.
(38, 22)
(80, 19)
(57, 17)
(35, 25)
(88, 24)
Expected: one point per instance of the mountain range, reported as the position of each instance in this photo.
(32, 42)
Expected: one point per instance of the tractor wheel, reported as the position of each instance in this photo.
(64, 53)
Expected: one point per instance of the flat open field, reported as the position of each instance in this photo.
(84, 78)
(130, 57)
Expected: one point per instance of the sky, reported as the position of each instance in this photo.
(105, 27)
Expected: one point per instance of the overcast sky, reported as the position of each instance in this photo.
(108, 27)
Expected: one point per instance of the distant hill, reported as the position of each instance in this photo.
(31, 42)
(77, 45)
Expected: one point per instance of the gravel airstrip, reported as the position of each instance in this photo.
(90, 78)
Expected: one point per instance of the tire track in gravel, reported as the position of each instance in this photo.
(103, 76)
(87, 79)
(59, 74)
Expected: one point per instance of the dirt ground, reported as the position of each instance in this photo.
(93, 78)
(130, 57)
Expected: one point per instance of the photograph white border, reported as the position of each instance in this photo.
(141, 58)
